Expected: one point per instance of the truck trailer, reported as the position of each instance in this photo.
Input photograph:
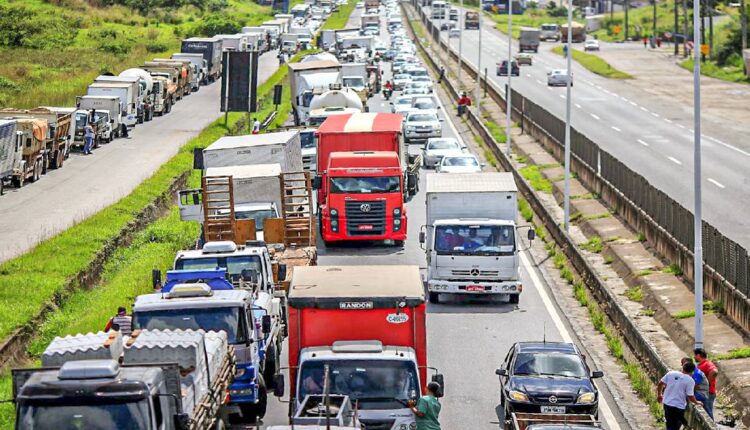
(529, 39)
(211, 49)
(267, 148)
(200, 67)
(57, 146)
(307, 77)
(10, 151)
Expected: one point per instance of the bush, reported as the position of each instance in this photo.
(22, 27)
(558, 11)
(154, 47)
(7, 84)
(217, 24)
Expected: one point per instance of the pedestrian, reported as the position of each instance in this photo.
(674, 391)
(256, 126)
(463, 103)
(88, 138)
(645, 41)
(701, 382)
(121, 322)
(427, 408)
(711, 371)
(442, 74)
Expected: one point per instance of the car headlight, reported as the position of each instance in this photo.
(586, 398)
(518, 396)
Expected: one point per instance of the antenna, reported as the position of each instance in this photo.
(544, 332)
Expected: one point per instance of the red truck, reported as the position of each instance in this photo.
(367, 325)
(364, 176)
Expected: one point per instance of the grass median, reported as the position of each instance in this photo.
(595, 64)
(340, 17)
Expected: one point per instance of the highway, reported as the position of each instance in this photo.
(86, 185)
(652, 135)
(466, 340)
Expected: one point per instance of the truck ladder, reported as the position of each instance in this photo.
(218, 208)
(297, 209)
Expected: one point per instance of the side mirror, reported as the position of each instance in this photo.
(317, 183)
(266, 324)
(531, 234)
(501, 372)
(281, 273)
(278, 382)
(155, 277)
(181, 421)
(441, 381)
(597, 374)
(422, 237)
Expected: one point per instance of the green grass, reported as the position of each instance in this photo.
(593, 245)
(597, 216)
(734, 354)
(526, 212)
(497, 131)
(641, 237)
(674, 269)
(534, 175)
(709, 307)
(642, 17)
(731, 73)
(338, 19)
(531, 18)
(595, 64)
(635, 294)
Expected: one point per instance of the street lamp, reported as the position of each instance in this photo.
(569, 82)
(509, 69)
(479, 69)
(460, 42)
(697, 211)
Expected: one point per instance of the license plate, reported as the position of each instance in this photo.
(365, 227)
(474, 288)
(553, 409)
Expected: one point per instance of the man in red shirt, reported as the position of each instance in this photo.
(711, 371)
(463, 103)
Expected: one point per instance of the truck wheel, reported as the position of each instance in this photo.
(45, 163)
(435, 298)
(399, 243)
(37, 171)
(219, 425)
(514, 298)
(2, 187)
(18, 181)
(258, 410)
(271, 366)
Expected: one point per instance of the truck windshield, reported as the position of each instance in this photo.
(234, 265)
(70, 416)
(366, 185)
(368, 381)
(474, 240)
(355, 82)
(209, 319)
(307, 139)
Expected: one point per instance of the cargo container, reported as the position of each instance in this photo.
(211, 49)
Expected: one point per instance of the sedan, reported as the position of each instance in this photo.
(425, 103)
(437, 148)
(524, 59)
(400, 81)
(454, 32)
(416, 91)
(422, 125)
(558, 77)
(420, 81)
(464, 163)
(502, 68)
(401, 103)
(591, 45)
(548, 378)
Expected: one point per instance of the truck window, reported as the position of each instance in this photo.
(227, 319)
(234, 265)
(375, 384)
(365, 185)
(474, 240)
(75, 412)
(354, 82)
(307, 139)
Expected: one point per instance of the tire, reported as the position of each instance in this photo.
(514, 298)
(18, 182)
(2, 187)
(219, 424)
(398, 243)
(45, 163)
(271, 365)
(434, 297)
(37, 171)
(259, 409)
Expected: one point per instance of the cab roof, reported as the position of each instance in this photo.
(362, 123)
(358, 159)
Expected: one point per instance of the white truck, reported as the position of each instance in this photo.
(128, 100)
(334, 102)
(471, 238)
(262, 37)
(355, 76)
(11, 151)
(304, 36)
(308, 78)
(156, 380)
(234, 42)
(137, 91)
(210, 48)
(282, 148)
(110, 105)
(146, 81)
(200, 67)
(370, 21)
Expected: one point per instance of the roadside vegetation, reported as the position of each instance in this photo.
(340, 17)
(595, 64)
(533, 17)
(51, 50)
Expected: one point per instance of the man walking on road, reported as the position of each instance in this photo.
(711, 371)
(88, 138)
(427, 408)
(674, 391)
(256, 126)
(121, 322)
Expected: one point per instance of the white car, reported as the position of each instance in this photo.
(360, 5)
(400, 81)
(454, 32)
(419, 84)
(416, 91)
(402, 104)
(424, 103)
(459, 163)
(591, 45)
(422, 125)
(558, 77)
(425, 81)
(437, 148)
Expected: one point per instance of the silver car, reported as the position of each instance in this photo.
(437, 148)
(558, 77)
(400, 81)
(459, 163)
(422, 125)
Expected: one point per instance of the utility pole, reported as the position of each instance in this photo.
(508, 90)
(478, 88)
(685, 29)
(461, 29)
(653, 31)
(743, 23)
(676, 28)
(569, 82)
(710, 6)
(697, 211)
(627, 9)
(611, 10)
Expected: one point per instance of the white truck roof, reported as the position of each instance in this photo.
(246, 171)
(252, 140)
(217, 299)
(471, 182)
(329, 282)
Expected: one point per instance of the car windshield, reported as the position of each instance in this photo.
(354, 82)
(460, 161)
(556, 364)
(474, 240)
(422, 117)
(424, 105)
(404, 101)
(420, 78)
(234, 265)
(443, 144)
(226, 319)
(97, 415)
(549, 27)
(377, 381)
(365, 184)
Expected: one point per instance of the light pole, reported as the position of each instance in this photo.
(479, 70)
(698, 215)
(509, 69)
(460, 43)
(569, 81)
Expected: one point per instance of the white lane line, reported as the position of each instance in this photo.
(680, 125)
(625, 99)
(562, 96)
(616, 129)
(717, 183)
(644, 109)
(655, 114)
(595, 117)
(549, 88)
(528, 74)
(733, 148)
(642, 142)
(634, 103)
(675, 161)
(578, 106)
(668, 120)
(539, 82)
(555, 316)
(615, 94)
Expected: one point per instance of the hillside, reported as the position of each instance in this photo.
(50, 50)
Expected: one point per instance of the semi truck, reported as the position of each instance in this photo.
(471, 20)
(370, 21)
(135, 88)
(127, 95)
(58, 143)
(200, 67)
(470, 239)
(355, 76)
(194, 305)
(156, 380)
(529, 39)
(210, 47)
(364, 176)
(179, 71)
(333, 102)
(365, 325)
(307, 78)
(187, 72)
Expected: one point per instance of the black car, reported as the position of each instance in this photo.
(502, 68)
(547, 377)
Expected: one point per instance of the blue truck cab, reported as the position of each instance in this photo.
(204, 299)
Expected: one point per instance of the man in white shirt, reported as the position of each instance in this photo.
(674, 391)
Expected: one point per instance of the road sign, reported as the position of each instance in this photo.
(705, 49)
(689, 45)
(667, 35)
(616, 29)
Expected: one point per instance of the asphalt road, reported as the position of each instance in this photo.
(466, 340)
(85, 185)
(653, 136)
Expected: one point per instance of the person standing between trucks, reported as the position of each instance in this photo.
(427, 408)
(711, 371)
(88, 138)
(674, 391)
(121, 322)
(463, 103)
(256, 126)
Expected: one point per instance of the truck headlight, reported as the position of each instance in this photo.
(518, 396)
(397, 212)
(586, 398)
(413, 426)
(397, 221)
(334, 212)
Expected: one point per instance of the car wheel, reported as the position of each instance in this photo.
(513, 298)
(434, 298)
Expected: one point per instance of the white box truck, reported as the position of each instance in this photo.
(200, 67)
(110, 105)
(470, 237)
(127, 95)
(282, 148)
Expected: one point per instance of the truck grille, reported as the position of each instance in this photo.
(481, 273)
(365, 218)
(307, 161)
(377, 424)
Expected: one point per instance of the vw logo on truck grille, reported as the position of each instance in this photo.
(365, 207)
(474, 272)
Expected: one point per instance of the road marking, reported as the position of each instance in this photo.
(595, 117)
(674, 160)
(680, 125)
(655, 114)
(615, 94)
(642, 142)
(616, 129)
(578, 106)
(644, 109)
(562, 96)
(734, 148)
(634, 103)
(539, 82)
(549, 88)
(557, 320)
(668, 120)
(715, 182)
(528, 74)
(624, 99)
